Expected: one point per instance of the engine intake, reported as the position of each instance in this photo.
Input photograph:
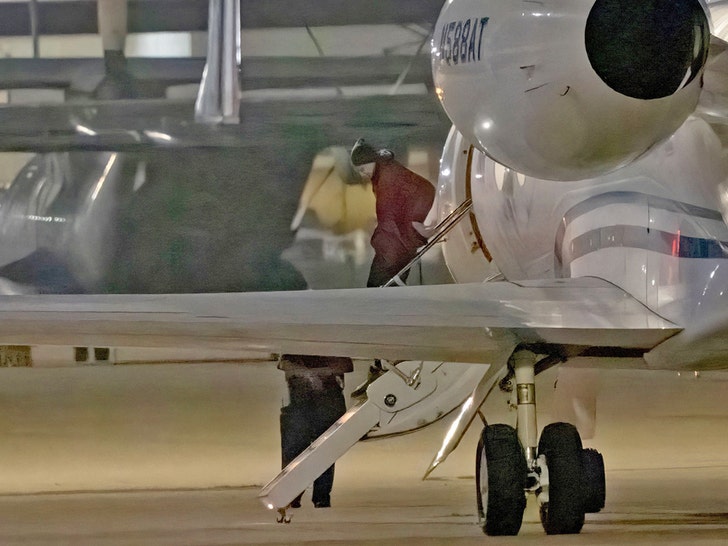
(568, 89)
(648, 49)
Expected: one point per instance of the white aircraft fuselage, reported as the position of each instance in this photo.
(619, 187)
(588, 135)
(652, 228)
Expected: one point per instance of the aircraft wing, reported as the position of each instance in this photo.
(467, 323)
(129, 125)
(82, 75)
(703, 345)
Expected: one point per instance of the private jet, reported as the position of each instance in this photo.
(582, 195)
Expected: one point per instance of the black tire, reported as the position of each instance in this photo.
(564, 513)
(500, 478)
(595, 486)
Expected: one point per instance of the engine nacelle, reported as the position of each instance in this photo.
(569, 89)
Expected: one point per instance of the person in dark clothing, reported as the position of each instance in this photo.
(402, 197)
(315, 385)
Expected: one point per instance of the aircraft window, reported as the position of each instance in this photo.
(648, 49)
(101, 353)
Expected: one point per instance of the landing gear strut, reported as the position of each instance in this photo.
(567, 479)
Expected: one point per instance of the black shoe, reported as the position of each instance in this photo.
(296, 503)
(322, 504)
(362, 153)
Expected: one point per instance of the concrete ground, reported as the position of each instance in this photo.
(176, 454)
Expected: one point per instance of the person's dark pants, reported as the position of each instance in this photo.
(382, 270)
(310, 414)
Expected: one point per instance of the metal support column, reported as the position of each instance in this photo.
(218, 100)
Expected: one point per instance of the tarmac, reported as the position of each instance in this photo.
(176, 454)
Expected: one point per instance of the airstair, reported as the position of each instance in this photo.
(411, 395)
(438, 233)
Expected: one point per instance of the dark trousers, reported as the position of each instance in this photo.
(382, 271)
(308, 416)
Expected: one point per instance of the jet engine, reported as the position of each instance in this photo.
(568, 89)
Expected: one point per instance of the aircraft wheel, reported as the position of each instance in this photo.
(594, 480)
(563, 514)
(500, 478)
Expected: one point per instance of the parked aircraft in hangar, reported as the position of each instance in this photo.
(136, 191)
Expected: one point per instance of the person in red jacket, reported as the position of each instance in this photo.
(402, 197)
